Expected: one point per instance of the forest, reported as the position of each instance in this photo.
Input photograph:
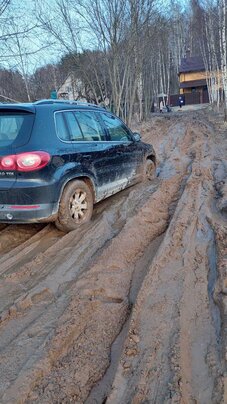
(126, 51)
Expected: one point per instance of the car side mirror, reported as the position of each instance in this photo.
(136, 137)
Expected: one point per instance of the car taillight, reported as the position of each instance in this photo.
(8, 163)
(28, 161)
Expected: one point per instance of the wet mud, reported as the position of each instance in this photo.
(131, 308)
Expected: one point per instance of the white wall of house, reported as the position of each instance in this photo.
(71, 89)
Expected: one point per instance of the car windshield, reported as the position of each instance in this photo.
(14, 126)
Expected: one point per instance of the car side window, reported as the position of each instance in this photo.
(74, 129)
(117, 130)
(90, 126)
(61, 128)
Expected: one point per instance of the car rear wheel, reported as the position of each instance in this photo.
(150, 170)
(76, 206)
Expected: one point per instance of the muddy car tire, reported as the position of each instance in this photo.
(76, 206)
(149, 170)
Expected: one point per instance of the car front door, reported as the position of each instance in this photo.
(124, 153)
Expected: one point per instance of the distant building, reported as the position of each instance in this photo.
(71, 89)
(193, 79)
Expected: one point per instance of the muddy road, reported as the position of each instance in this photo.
(132, 307)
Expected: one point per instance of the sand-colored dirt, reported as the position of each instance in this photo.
(132, 307)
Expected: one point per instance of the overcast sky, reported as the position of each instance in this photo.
(24, 11)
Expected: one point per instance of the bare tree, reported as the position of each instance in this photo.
(223, 51)
(3, 5)
(212, 32)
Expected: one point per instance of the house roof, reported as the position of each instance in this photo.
(191, 64)
(193, 83)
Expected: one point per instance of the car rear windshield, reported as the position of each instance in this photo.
(15, 128)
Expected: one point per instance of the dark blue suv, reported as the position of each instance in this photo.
(59, 158)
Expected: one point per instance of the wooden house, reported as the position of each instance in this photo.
(192, 78)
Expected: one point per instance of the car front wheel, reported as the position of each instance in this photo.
(76, 206)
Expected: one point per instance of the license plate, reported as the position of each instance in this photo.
(7, 174)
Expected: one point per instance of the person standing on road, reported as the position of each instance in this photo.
(180, 101)
(161, 105)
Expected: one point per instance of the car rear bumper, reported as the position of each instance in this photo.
(28, 213)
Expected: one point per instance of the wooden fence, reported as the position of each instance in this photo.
(190, 98)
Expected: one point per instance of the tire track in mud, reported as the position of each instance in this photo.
(48, 258)
(28, 249)
(73, 362)
(24, 306)
(42, 283)
(174, 349)
(220, 291)
(13, 235)
(98, 297)
(218, 222)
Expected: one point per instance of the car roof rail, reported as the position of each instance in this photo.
(74, 102)
(50, 101)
